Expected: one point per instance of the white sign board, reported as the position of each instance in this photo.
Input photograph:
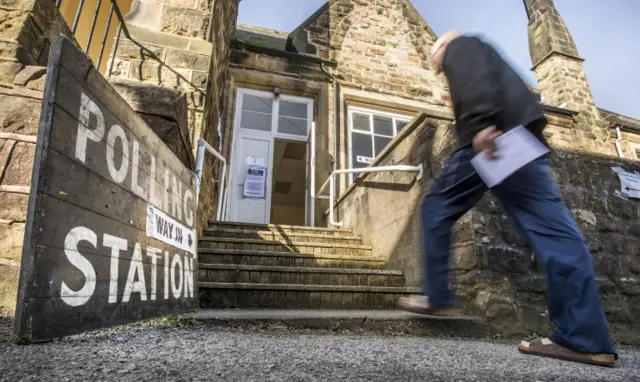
(168, 230)
(629, 183)
(255, 182)
(255, 160)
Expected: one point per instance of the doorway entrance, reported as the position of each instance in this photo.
(271, 173)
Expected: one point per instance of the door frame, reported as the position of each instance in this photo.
(273, 135)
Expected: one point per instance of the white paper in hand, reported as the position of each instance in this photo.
(515, 148)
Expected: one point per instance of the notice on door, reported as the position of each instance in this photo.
(255, 182)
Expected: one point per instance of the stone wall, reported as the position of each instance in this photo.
(26, 27)
(496, 274)
(379, 46)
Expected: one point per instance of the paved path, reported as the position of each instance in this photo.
(156, 352)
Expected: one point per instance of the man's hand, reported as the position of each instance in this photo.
(484, 141)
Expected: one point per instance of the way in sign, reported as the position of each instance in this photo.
(168, 230)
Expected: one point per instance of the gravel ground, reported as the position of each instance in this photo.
(156, 351)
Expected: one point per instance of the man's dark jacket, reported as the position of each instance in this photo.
(485, 91)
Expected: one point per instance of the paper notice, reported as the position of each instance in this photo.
(255, 182)
(516, 148)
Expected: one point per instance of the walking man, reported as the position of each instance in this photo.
(489, 98)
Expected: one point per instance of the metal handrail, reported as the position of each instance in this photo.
(122, 28)
(396, 168)
(222, 196)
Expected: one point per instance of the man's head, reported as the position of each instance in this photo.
(439, 48)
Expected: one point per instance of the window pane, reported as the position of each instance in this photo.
(383, 125)
(255, 121)
(361, 149)
(255, 103)
(381, 143)
(293, 126)
(293, 109)
(361, 122)
(400, 125)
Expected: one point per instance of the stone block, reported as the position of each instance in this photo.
(464, 258)
(146, 14)
(12, 22)
(187, 60)
(630, 285)
(11, 239)
(13, 206)
(185, 22)
(157, 38)
(127, 49)
(19, 115)
(508, 260)
(8, 70)
(184, 3)
(9, 277)
(18, 170)
(199, 79)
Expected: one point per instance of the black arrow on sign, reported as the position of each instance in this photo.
(631, 189)
(190, 240)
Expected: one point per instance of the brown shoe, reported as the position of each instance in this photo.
(420, 304)
(545, 348)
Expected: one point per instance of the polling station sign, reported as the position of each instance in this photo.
(110, 232)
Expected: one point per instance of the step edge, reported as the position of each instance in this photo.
(324, 314)
(243, 252)
(286, 226)
(284, 269)
(274, 242)
(248, 231)
(309, 288)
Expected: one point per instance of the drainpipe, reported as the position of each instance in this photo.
(336, 118)
(336, 114)
(618, 140)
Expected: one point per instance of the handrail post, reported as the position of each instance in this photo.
(332, 201)
(222, 190)
(419, 170)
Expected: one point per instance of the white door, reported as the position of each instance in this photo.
(251, 151)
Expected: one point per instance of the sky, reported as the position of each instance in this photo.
(606, 32)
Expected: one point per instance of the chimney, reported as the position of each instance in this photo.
(556, 61)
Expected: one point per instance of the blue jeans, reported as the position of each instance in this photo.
(531, 198)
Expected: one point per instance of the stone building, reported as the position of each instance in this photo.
(350, 88)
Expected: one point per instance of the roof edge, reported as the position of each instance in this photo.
(309, 20)
(293, 56)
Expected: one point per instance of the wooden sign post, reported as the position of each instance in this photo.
(110, 235)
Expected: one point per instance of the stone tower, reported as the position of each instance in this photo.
(556, 61)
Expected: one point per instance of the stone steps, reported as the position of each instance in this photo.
(287, 259)
(283, 229)
(299, 296)
(285, 246)
(232, 273)
(281, 237)
(286, 267)
(353, 321)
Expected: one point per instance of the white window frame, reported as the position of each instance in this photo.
(634, 146)
(275, 113)
(359, 110)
